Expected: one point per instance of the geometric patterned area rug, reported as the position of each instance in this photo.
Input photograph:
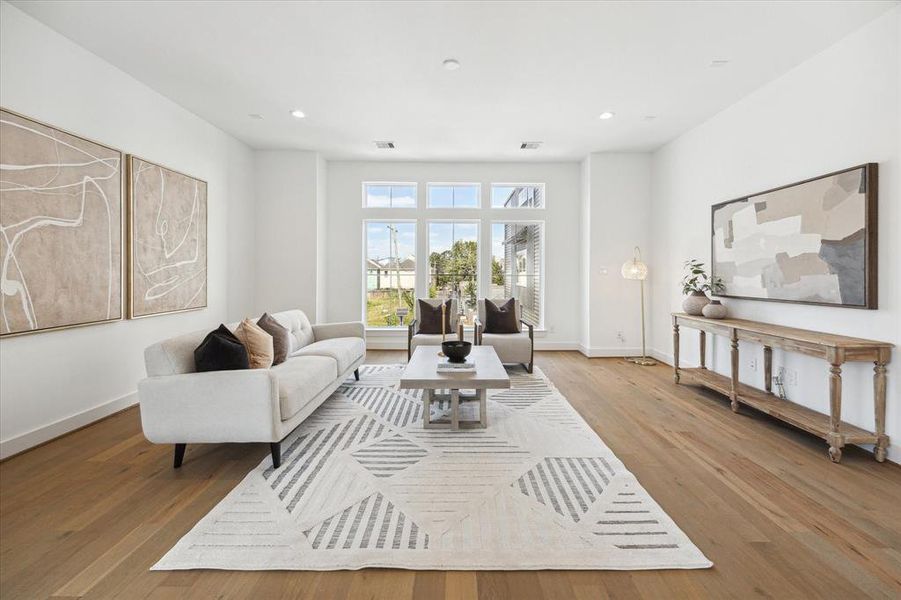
(362, 484)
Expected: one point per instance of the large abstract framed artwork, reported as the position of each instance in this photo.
(811, 242)
(61, 221)
(167, 240)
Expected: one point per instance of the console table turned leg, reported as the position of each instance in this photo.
(768, 369)
(675, 352)
(702, 342)
(835, 438)
(733, 396)
(879, 401)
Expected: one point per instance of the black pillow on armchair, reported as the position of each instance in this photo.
(221, 350)
(501, 319)
(430, 318)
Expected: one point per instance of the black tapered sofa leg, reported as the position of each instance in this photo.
(179, 455)
(276, 449)
(357, 374)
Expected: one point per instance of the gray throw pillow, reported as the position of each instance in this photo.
(281, 340)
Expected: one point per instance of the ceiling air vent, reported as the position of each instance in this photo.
(384, 145)
(530, 145)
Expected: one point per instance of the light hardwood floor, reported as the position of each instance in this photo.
(88, 514)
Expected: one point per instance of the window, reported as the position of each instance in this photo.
(389, 195)
(454, 195)
(515, 195)
(516, 265)
(390, 272)
(454, 264)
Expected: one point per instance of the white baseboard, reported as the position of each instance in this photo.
(38, 436)
(614, 352)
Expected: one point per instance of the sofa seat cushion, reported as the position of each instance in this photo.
(344, 350)
(300, 379)
(510, 347)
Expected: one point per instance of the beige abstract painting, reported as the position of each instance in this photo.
(168, 241)
(61, 225)
(810, 242)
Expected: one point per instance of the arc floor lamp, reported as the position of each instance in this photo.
(635, 269)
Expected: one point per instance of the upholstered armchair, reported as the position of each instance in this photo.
(511, 348)
(414, 338)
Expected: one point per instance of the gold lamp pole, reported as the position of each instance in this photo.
(635, 269)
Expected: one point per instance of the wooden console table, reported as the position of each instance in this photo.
(835, 349)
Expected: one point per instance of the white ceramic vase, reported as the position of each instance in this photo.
(714, 310)
(694, 303)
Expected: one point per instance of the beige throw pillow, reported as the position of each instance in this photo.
(257, 342)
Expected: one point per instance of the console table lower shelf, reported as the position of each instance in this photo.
(792, 413)
(836, 350)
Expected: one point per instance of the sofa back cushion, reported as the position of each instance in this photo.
(175, 356)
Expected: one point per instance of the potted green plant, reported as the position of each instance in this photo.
(695, 285)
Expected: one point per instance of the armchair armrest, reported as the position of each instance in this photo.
(336, 330)
(531, 328)
(477, 333)
(411, 331)
(211, 407)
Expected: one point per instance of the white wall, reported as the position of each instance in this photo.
(344, 281)
(836, 110)
(52, 382)
(616, 210)
(287, 192)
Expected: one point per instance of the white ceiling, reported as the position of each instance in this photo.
(530, 71)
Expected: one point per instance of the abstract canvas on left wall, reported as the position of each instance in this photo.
(60, 228)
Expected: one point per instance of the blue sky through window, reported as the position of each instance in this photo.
(443, 235)
(394, 196)
(454, 196)
(378, 240)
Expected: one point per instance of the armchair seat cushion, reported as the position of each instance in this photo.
(343, 350)
(300, 379)
(510, 347)
(426, 339)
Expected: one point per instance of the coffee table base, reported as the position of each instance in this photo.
(455, 422)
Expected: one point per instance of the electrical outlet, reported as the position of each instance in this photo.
(791, 377)
(752, 364)
(620, 337)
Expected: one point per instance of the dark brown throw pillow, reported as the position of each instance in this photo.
(281, 340)
(501, 319)
(221, 350)
(430, 318)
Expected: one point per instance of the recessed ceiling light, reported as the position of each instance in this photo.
(530, 145)
(384, 145)
(297, 113)
(606, 115)
(451, 64)
(256, 116)
(717, 63)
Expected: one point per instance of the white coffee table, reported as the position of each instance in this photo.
(421, 373)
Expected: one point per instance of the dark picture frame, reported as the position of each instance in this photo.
(871, 203)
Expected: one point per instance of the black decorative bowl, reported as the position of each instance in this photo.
(456, 351)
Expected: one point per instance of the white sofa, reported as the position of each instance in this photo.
(180, 406)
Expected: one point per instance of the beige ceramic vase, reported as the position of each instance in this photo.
(714, 310)
(695, 302)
